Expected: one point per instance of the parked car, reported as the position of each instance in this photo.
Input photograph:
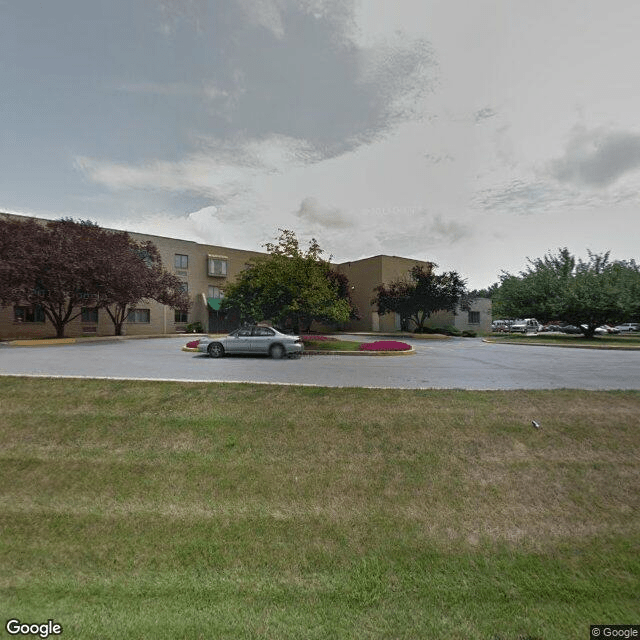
(627, 327)
(501, 325)
(554, 328)
(528, 325)
(253, 339)
(606, 329)
(570, 328)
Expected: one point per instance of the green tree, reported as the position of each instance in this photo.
(290, 286)
(587, 293)
(420, 294)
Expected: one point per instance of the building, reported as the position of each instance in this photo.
(206, 270)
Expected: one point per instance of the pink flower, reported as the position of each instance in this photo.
(193, 344)
(385, 345)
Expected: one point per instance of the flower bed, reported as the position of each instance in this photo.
(385, 345)
(193, 344)
(309, 338)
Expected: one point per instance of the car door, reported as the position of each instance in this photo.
(262, 339)
(239, 341)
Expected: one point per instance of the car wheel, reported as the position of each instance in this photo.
(215, 350)
(277, 351)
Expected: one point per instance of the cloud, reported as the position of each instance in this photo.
(312, 212)
(533, 197)
(413, 234)
(484, 114)
(219, 171)
(597, 158)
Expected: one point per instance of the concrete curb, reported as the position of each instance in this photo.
(592, 347)
(410, 352)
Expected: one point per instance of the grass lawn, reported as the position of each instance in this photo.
(332, 345)
(629, 341)
(163, 510)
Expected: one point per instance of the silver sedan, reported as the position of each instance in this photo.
(254, 339)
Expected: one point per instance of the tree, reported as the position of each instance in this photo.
(63, 266)
(290, 286)
(587, 293)
(420, 294)
(137, 274)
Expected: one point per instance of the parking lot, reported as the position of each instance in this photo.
(456, 363)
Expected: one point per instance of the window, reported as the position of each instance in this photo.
(474, 317)
(215, 292)
(33, 313)
(217, 266)
(139, 316)
(181, 261)
(181, 316)
(90, 314)
(185, 287)
(263, 332)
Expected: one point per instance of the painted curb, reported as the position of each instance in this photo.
(42, 343)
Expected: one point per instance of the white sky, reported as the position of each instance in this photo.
(473, 134)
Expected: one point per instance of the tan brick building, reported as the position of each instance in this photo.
(206, 270)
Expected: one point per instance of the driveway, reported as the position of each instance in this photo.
(461, 363)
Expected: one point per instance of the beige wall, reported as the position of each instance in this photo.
(162, 319)
(364, 276)
(460, 320)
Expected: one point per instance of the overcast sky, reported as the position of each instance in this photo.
(472, 134)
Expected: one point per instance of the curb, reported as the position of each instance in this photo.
(52, 342)
(410, 352)
(42, 343)
(591, 347)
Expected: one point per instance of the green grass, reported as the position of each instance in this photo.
(611, 341)
(161, 510)
(332, 345)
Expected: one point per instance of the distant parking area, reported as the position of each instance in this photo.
(456, 363)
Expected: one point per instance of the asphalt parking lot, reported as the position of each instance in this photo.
(461, 363)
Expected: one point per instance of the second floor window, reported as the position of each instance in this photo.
(90, 314)
(217, 266)
(181, 261)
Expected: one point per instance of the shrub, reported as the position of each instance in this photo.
(469, 333)
(385, 345)
(194, 327)
(193, 344)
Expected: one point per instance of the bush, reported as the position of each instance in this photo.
(193, 344)
(194, 327)
(385, 345)
(469, 333)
